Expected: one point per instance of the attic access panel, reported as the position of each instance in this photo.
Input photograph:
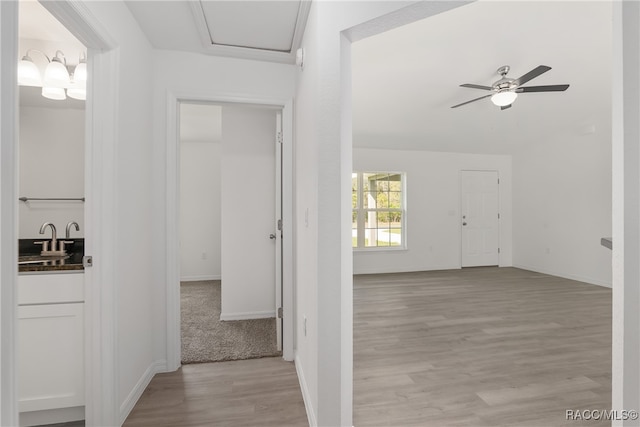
(264, 25)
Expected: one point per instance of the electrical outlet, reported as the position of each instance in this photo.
(204, 255)
(306, 217)
(304, 325)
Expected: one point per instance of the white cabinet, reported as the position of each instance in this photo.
(50, 342)
(51, 356)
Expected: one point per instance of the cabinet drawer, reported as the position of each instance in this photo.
(50, 288)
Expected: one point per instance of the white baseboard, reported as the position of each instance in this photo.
(51, 416)
(247, 315)
(374, 270)
(588, 280)
(306, 397)
(200, 278)
(138, 389)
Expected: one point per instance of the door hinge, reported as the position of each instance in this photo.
(279, 225)
(498, 180)
(280, 139)
(279, 312)
(498, 216)
(87, 261)
(498, 250)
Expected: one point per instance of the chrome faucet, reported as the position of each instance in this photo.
(68, 233)
(54, 238)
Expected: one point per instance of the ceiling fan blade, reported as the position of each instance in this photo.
(551, 88)
(505, 107)
(472, 86)
(473, 100)
(540, 69)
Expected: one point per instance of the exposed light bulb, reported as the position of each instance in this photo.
(502, 99)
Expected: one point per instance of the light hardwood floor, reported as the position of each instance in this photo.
(479, 347)
(256, 392)
(471, 347)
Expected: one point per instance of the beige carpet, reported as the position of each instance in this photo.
(206, 339)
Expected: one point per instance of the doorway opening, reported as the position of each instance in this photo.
(230, 242)
(422, 136)
(51, 222)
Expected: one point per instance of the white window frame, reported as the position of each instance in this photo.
(361, 211)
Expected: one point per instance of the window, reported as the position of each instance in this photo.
(378, 209)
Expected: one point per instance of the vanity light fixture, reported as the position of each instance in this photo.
(78, 87)
(57, 83)
(28, 73)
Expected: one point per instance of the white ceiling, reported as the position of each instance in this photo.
(254, 29)
(406, 80)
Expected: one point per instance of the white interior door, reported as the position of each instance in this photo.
(479, 218)
(249, 237)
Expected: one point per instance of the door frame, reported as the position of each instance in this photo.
(460, 194)
(172, 208)
(101, 406)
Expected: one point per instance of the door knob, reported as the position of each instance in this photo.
(272, 236)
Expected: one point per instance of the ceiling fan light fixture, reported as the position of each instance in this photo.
(504, 98)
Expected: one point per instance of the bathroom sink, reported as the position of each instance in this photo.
(39, 259)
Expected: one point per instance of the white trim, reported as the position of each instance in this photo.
(306, 396)
(101, 383)
(172, 261)
(383, 270)
(618, 178)
(8, 211)
(138, 389)
(248, 315)
(575, 277)
(80, 21)
(200, 278)
(100, 208)
(52, 416)
(288, 241)
(211, 48)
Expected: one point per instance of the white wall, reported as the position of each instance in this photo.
(248, 213)
(131, 238)
(200, 210)
(562, 205)
(433, 208)
(324, 300)
(200, 176)
(51, 165)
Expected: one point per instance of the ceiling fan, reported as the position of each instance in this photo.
(506, 90)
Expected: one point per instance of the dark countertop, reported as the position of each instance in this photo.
(73, 261)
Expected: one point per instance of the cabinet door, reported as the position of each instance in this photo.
(51, 356)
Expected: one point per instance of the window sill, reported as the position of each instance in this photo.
(380, 249)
